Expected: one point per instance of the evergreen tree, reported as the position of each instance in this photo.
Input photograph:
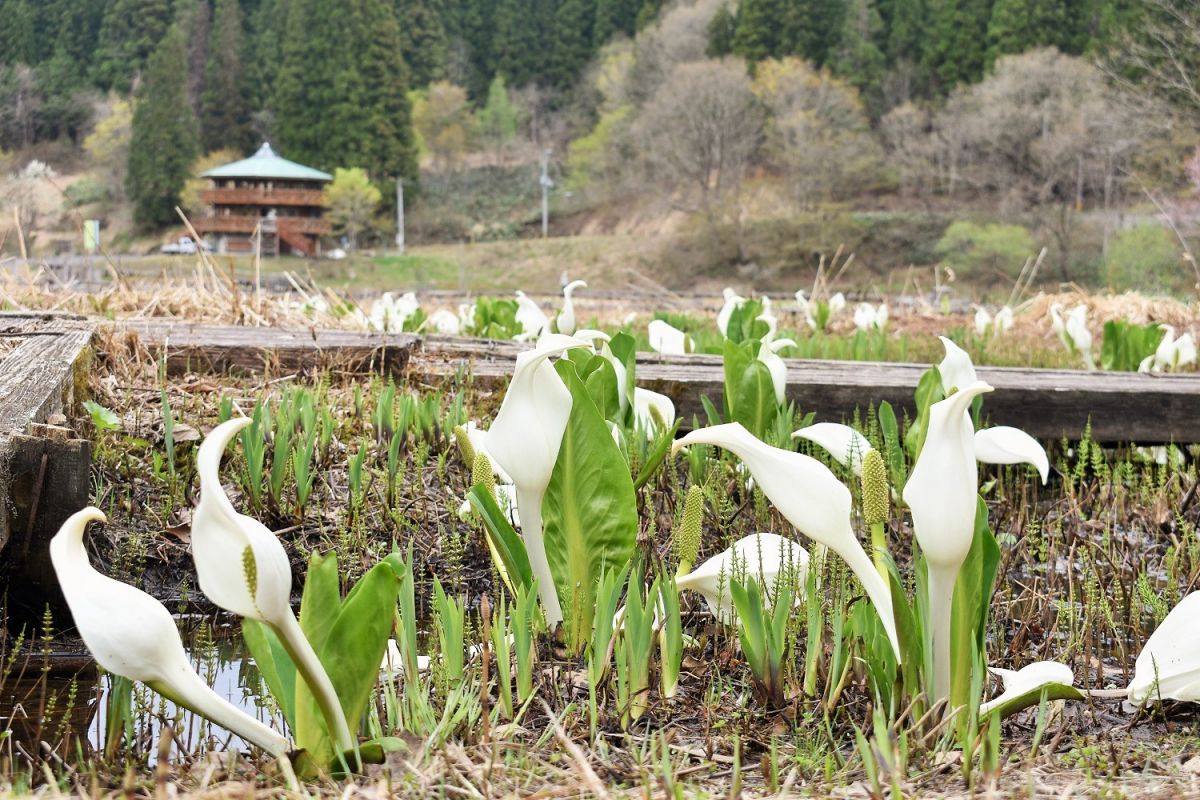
(130, 32)
(196, 21)
(859, 58)
(422, 41)
(225, 107)
(163, 140)
(760, 30)
(648, 13)
(390, 149)
(956, 41)
(812, 29)
(614, 17)
(572, 42)
(906, 31)
(1019, 25)
(720, 32)
(264, 56)
(516, 43)
(17, 40)
(76, 29)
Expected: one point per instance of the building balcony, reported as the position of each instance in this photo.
(261, 197)
(312, 226)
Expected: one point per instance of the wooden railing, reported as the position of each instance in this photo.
(246, 224)
(261, 197)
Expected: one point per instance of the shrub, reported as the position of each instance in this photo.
(1146, 258)
(985, 253)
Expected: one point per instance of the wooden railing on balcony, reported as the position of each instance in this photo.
(243, 224)
(261, 197)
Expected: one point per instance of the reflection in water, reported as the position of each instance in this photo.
(59, 698)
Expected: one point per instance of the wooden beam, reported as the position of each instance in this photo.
(1049, 404)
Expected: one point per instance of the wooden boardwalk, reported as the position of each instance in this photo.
(1048, 404)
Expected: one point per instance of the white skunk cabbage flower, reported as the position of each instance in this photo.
(941, 492)
(445, 322)
(1172, 353)
(1003, 321)
(983, 321)
(1073, 332)
(668, 340)
(649, 407)
(870, 318)
(1027, 680)
(805, 308)
(566, 317)
(843, 443)
(768, 353)
(765, 557)
(393, 661)
(530, 317)
(1004, 445)
(243, 568)
(811, 498)
(132, 634)
(837, 304)
(956, 368)
(466, 316)
(732, 301)
(389, 313)
(524, 441)
(1168, 667)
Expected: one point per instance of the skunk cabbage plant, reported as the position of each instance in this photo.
(1004, 445)
(668, 340)
(762, 557)
(1028, 685)
(1168, 668)
(243, 568)
(811, 498)
(530, 317)
(732, 301)
(843, 443)
(941, 492)
(133, 635)
(565, 322)
(524, 440)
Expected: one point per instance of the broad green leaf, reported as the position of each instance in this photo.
(103, 419)
(749, 390)
(929, 391)
(601, 384)
(507, 547)
(322, 599)
(589, 513)
(710, 410)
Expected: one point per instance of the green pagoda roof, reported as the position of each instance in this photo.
(265, 164)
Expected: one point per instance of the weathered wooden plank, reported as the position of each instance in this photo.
(1046, 403)
(192, 347)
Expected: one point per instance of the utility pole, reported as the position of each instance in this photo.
(400, 214)
(547, 185)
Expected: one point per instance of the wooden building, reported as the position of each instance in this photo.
(265, 196)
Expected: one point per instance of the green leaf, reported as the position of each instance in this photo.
(892, 445)
(929, 391)
(103, 419)
(662, 446)
(590, 510)
(749, 390)
(506, 545)
(1050, 691)
(601, 382)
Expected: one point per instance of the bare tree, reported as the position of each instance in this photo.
(818, 133)
(700, 131)
(1161, 54)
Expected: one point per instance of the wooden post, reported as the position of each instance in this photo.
(49, 479)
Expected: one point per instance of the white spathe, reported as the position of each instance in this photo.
(1006, 445)
(837, 304)
(566, 317)
(389, 313)
(1027, 679)
(846, 445)
(1073, 332)
(941, 493)
(645, 404)
(765, 557)
(1168, 667)
(983, 321)
(530, 317)
(445, 322)
(805, 308)
(732, 301)
(811, 498)
(1003, 321)
(243, 568)
(768, 354)
(667, 339)
(1172, 353)
(132, 634)
(870, 318)
(956, 368)
(524, 441)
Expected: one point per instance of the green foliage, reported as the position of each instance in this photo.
(594, 157)
(162, 142)
(969, 618)
(989, 253)
(1146, 258)
(762, 633)
(131, 31)
(349, 636)
(352, 201)
(225, 103)
(102, 418)
(1126, 345)
(497, 120)
(422, 40)
(749, 391)
(589, 511)
(721, 31)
